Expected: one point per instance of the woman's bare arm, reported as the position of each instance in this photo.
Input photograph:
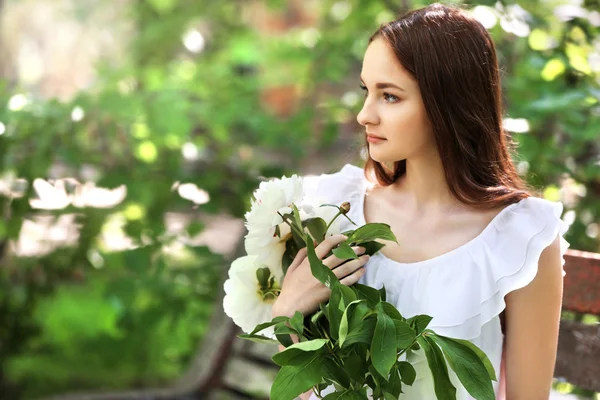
(532, 320)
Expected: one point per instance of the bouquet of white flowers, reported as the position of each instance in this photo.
(355, 340)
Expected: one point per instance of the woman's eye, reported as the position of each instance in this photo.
(364, 89)
(390, 98)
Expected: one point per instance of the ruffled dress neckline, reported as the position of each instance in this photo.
(361, 220)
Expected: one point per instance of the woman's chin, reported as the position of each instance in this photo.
(381, 158)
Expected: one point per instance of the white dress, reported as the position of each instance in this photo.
(463, 290)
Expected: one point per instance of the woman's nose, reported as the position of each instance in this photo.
(367, 115)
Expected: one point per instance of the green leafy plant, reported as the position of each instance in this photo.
(355, 340)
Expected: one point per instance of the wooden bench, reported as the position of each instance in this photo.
(578, 359)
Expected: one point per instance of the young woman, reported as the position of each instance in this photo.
(475, 250)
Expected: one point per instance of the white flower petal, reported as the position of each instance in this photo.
(270, 198)
(242, 302)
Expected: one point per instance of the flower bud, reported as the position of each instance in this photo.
(345, 207)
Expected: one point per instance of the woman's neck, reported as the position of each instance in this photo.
(424, 187)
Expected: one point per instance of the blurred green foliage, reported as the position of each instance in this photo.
(86, 316)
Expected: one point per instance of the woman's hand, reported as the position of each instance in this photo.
(301, 291)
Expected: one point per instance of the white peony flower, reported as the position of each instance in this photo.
(272, 197)
(244, 302)
(263, 220)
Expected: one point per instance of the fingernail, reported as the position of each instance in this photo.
(362, 249)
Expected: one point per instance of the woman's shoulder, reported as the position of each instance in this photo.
(511, 246)
(507, 256)
(532, 221)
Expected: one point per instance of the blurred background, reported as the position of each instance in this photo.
(132, 133)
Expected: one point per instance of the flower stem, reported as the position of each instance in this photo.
(411, 345)
(292, 226)
(331, 222)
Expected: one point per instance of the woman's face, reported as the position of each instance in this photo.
(393, 108)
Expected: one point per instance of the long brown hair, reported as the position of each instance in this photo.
(453, 59)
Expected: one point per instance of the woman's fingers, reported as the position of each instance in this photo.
(353, 277)
(329, 243)
(350, 266)
(298, 259)
(333, 261)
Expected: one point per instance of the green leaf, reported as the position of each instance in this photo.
(390, 310)
(285, 330)
(346, 395)
(382, 293)
(344, 323)
(299, 239)
(379, 381)
(344, 252)
(297, 323)
(348, 294)
(318, 269)
(335, 299)
(356, 366)
(405, 335)
(296, 230)
(283, 333)
(407, 372)
(444, 390)
(297, 219)
(395, 383)
(419, 322)
(372, 295)
(284, 339)
(274, 321)
(317, 326)
(292, 381)
(370, 232)
(336, 310)
(297, 358)
(336, 373)
(348, 232)
(315, 317)
(257, 338)
(480, 353)
(316, 227)
(383, 348)
(291, 250)
(467, 365)
(359, 314)
(362, 334)
(372, 247)
(325, 309)
(283, 357)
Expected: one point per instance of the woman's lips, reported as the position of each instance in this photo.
(374, 139)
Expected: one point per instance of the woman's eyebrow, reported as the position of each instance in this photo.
(384, 85)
